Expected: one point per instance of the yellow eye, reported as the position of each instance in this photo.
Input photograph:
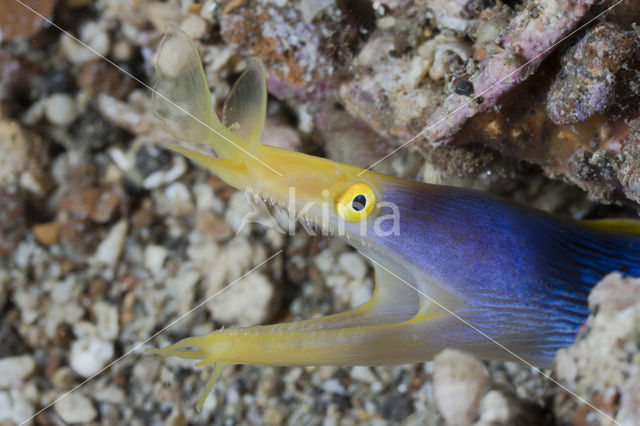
(356, 202)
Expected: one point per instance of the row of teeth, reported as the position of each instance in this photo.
(273, 205)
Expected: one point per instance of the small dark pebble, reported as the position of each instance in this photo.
(12, 218)
(149, 159)
(401, 43)
(512, 3)
(94, 132)
(464, 87)
(396, 408)
(58, 82)
(12, 343)
(343, 402)
(183, 373)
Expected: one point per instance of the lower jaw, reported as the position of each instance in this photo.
(283, 345)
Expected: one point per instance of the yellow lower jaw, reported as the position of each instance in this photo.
(282, 345)
(286, 345)
(389, 329)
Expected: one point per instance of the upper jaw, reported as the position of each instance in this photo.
(306, 186)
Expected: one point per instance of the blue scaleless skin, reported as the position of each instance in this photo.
(517, 275)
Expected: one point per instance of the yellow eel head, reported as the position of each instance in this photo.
(331, 195)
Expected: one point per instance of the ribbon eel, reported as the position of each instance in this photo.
(454, 268)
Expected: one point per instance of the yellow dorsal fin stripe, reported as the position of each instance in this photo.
(625, 226)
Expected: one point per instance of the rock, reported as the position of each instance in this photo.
(195, 26)
(494, 409)
(17, 75)
(135, 116)
(127, 309)
(250, 301)
(353, 264)
(106, 320)
(524, 48)
(89, 355)
(46, 233)
(453, 14)
(110, 198)
(176, 418)
(299, 55)
(78, 236)
(74, 169)
(76, 408)
(161, 174)
(98, 288)
(358, 292)
(110, 249)
(212, 225)
(379, 96)
(154, 258)
(63, 308)
(99, 77)
(364, 374)
(111, 394)
(325, 260)
(499, 408)
(81, 203)
(15, 369)
(35, 182)
(396, 408)
(22, 151)
(586, 84)
(311, 8)
(178, 200)
(98, 203)
(387, 91)
(629, 405)
(281, 136)
(17, 21)
(159, 13)
(181, 290)
(333, 386)
(602, 366)
(61, 109)
(93, 34)
(15, 407)
(350, 140)
(437, 54)
(12, 218)
(460, 381)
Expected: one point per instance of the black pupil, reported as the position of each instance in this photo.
(358, 203)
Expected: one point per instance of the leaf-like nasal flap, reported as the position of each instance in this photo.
(181, 98)
(246, 107)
